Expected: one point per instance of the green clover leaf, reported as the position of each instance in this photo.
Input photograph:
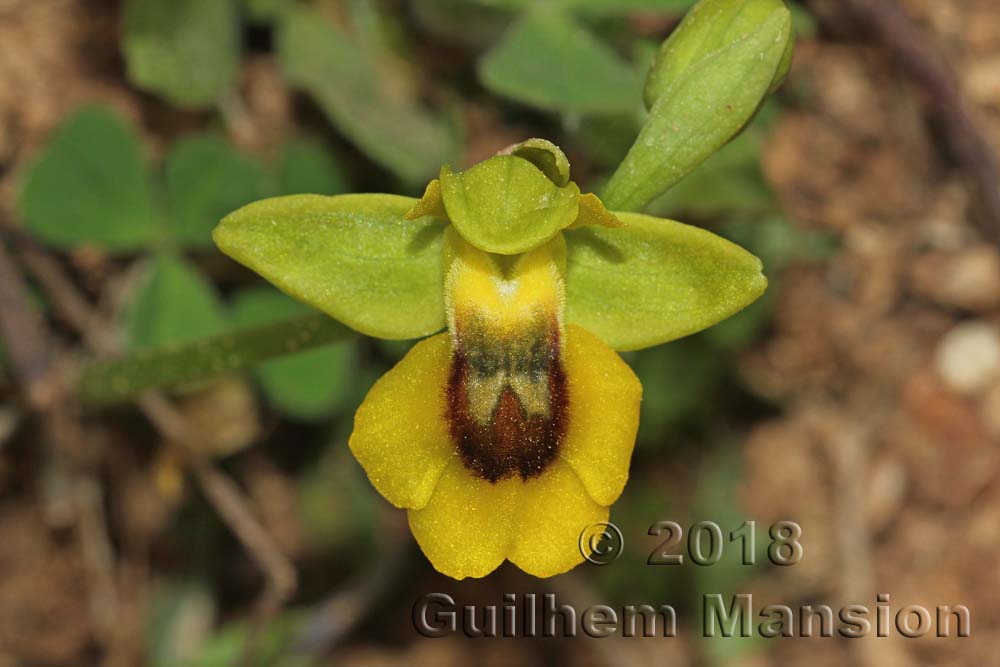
(90, 186)
(205, 179)
(308, 385)
(174, 303)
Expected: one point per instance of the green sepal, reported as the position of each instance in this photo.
(700, 105)
(655, 280)
(506, 205)
(355, 257)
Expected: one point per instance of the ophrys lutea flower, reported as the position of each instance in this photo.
(510, 432)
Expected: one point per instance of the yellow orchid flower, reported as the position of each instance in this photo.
(511, 432)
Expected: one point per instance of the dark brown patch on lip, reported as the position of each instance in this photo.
(512, 442)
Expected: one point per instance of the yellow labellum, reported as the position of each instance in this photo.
(509, 435)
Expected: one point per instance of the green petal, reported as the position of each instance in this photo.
(545, 155)
(507, 205)
(354, 257)
(700, 106)
(655, 280)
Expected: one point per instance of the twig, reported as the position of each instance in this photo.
(30, 346)
(334, 619)
(225, 497)
(227, 500)
(965, 141)
(70, 306)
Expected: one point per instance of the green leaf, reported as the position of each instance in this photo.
(185, 50)
(655, 280)
(266, 11)
(272, 643)
(507, 205)
(352, 256)
(206, 178)
(90, 186)
(307, 168)
(700, 107)
(548, 61)
(309, 384)
(118, 380)
(173, 304)
(677, 383)
(368, 94)
(625, 7)
(180, 620)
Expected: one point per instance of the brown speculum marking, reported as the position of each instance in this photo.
(507, 399)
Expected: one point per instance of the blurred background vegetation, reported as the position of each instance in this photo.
(854, 397)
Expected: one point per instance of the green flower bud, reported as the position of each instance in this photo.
(709, 79)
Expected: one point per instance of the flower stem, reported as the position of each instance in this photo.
(119, 380)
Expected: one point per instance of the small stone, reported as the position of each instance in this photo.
(968, 357)
(968, 279)
(989, 411)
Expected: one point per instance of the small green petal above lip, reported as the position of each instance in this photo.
(355, 257)
(507, 205)
(655, 280)
(545, 155)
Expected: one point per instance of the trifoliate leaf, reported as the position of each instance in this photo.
(308, 384)
(173, 304)
(90, 186)
(355, 257)
(655, 280)
(547, 60)
(206, 178)
(185, 50)
(307, 168)
(507, 205)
